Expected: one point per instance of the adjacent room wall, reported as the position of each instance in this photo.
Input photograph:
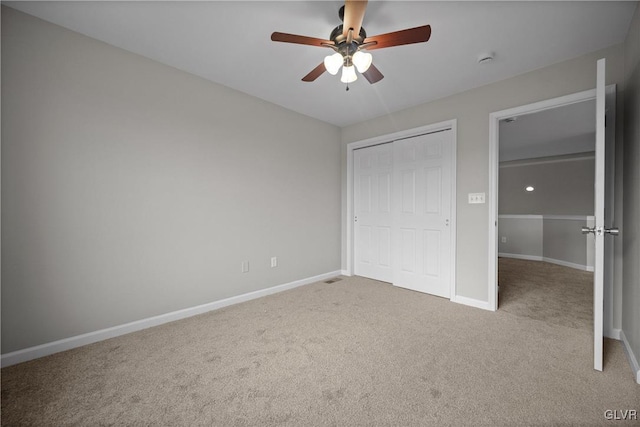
(563, 192)
(563, 242)
(630, 232)
(578, 144)
(472, 109)
(131, 189)
(552, 238)
(521, 235)
(561, 187)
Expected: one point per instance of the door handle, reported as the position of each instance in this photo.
(587, 230)
(614, 231)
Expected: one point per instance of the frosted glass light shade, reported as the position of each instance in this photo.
(362, 60)
(348, 74)
(333, 63)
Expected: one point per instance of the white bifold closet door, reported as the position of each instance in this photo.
(373, 179)
(422, 202)
(403, 213)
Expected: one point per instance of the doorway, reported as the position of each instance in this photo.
(574, 151)
(546, 176)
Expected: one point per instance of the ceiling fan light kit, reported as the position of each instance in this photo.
(348, 74)
(362, 60)
(349, 47)
(333, 63)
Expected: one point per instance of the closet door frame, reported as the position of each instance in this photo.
(349, 218)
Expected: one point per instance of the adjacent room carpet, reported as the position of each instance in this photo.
(354, 352)
(549, 292)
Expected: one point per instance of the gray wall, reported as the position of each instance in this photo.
(561, 187)
(552, 238)
(523, 236)
(631, 198)
(132, 189)
(472, 109)
(563, 241)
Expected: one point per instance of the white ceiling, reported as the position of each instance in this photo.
(229, 43)
(558, 131)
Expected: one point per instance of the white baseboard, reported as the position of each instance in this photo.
(631, 357)
(520, 256)
(568, 264)
(546, 259)
(345, 273)
(471, 302)
(42, 350)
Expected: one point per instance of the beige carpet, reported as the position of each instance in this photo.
(351, 353)
(549, 292)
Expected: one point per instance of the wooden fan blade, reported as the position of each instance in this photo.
(294, 38)
(398, 38)
(373, 75)
(315, 73)
(353, 16)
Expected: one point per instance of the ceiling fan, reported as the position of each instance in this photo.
(350, 43)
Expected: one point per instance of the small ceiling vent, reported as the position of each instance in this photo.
(485, 58)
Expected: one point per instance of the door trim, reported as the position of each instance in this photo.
(388, 138)
(492, 197)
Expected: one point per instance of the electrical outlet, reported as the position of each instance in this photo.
(503, 239)
(244, 267)
(274, 261)
(476, 198)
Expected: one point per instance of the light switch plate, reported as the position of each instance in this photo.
(476, 198)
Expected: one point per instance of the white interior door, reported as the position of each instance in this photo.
(422, 203)
(373, 181)
(603, 196)
(598, 276)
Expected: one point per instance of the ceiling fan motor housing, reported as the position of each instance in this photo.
(337, 37)
(346, 49)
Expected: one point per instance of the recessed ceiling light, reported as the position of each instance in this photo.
(529, 189)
